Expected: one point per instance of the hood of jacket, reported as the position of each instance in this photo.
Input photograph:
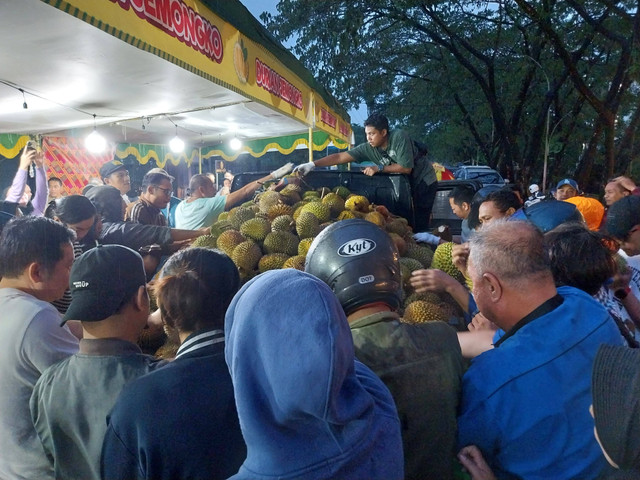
(306, 407)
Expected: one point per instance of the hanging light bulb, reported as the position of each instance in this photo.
(176, 144)
(95, 142)
(235, 143)
(24, 100)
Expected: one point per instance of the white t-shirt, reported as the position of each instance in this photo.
(201, 212)
(31, 340)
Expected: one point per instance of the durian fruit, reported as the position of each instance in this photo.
(228, 240)
(281, 242)
(411, 263)
(429, 297)
(256, 228)
(239, 215)
(292, 188)
(319, 209)
(298, 210)
(322, 191)
(219, 227)
(223, 216)
(290, 197)
(401, 244)
(310, 194)
(342, 191)
(357, 203)
(246, 255)
(335, 203)
(421, 253)
(268, 199)
(206, 241)
(442, 261)
(398, 225)
(278, 210)
(345, 214)
(375, 217)
(283, 223)
(422, 312)
(307, 225)
(303, 246)
(297, 262)
(272, 261)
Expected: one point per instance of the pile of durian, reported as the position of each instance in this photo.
(275, 230)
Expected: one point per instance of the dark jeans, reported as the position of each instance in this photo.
(423, 197)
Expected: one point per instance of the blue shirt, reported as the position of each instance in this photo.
(526, 403)
(201, 212)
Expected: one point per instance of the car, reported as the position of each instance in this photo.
(487, 175)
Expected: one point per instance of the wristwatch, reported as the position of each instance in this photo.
(621, 293)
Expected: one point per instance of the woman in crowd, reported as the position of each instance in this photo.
(308, 409)
(180, 421)
(581, 258)
(18, 199)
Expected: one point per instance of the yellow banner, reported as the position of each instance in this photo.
(188, 34)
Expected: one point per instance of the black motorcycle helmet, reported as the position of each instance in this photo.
(359, 262)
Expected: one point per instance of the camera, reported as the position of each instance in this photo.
(32, 145)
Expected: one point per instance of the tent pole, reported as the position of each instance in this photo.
(310, 144)
(200, 160)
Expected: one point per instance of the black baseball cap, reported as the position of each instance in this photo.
(102, 280)
(111, 167)
(623, 215)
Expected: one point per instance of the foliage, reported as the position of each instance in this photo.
(485, 81)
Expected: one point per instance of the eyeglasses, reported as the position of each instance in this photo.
(166, 191)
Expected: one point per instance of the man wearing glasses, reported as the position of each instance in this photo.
(392, 151)
(156, 193)
(114, 173)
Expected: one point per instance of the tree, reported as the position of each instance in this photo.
(481, 80)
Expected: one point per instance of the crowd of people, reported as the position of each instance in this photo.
(315, 374)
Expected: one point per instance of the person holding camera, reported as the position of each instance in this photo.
(18, 200)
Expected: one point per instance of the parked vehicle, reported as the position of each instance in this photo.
(483, 173)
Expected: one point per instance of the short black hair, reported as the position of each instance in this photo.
(154, 179)
(462, 194)
(30, 239)
(579, 257)
(54, 179)
(71, 210)
(377, 121)
(108, 201)
(504, 199)
(195, 289)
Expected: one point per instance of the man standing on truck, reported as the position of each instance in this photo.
(391, 152)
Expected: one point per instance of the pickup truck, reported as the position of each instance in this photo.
(391, 190)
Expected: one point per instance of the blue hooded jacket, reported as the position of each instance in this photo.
(307, 408)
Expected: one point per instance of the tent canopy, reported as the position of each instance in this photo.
(207, 70)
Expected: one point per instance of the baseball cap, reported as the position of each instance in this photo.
(102, 280)
(161, 171)
(623, 215)
(111, 167)
(547, 215)
(568, 181)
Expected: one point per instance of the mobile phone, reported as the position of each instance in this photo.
(31, 145)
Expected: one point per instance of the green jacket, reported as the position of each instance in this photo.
(422, 366)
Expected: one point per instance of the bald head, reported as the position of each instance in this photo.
(201, 186)
(512, 250)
